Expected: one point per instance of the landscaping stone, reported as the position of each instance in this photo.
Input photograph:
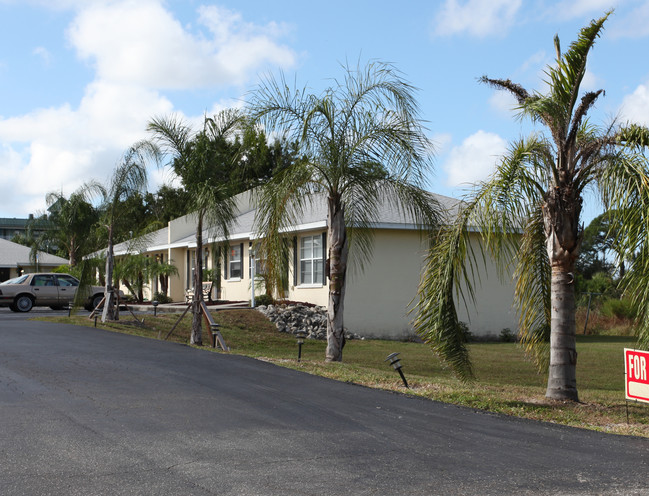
(291, 318)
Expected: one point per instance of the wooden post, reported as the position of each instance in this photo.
(216, 334)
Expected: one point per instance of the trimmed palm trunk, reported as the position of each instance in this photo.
(338, 251)
(111, 310)
(197, 325)
(561, 213)
(73, 251)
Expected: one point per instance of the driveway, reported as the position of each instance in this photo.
(89, 412)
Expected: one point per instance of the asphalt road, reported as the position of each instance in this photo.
(89, 412)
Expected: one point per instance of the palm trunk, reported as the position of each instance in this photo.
(73, 253)
(338, 251)
(140, 287)
(109, 293)
(197, 325)
(562, 378)
(561, 213)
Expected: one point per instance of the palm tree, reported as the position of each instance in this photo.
(74, 219)
(129, 178)
(197, 158)
(361, 144)
(537, 190)
(135, 270)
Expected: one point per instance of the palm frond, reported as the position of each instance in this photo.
(520, 93)
(566, 77)
(281, 202)
(448, 272)
(532, 292)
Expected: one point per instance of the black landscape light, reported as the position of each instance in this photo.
(155, 307)
(396, 363)
(301, 336)
(214, 330)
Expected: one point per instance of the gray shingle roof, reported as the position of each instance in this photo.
(13, 255)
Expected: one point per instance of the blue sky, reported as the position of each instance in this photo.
(79, 79)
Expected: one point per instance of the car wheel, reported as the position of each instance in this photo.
(13, 308)
(97, 300)
(24, 303)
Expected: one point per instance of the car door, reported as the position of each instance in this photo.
(67, 288)
(45, 290)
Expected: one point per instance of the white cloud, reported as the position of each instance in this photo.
(66, 147)
(571, 9)
(44, 54)
(478, 18)
(590, 82)
(635, 107)
(504, 103)
(535, 62)
(474, 160)
(441, 142)
(139, 42)
(634, 25)
(138, 49)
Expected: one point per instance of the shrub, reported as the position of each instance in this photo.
(467, 336)
(264, 300)
(622, 308)
(161, 298)
(507, 335)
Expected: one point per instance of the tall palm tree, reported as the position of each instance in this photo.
(361, 144)
(74, 219)
(537, 190)
(129, 178)
(197, 160)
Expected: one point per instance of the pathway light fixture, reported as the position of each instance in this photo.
(301, 336)
(396, 363)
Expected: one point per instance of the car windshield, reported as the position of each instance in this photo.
(16, 280)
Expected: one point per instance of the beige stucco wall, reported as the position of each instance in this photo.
(378, 299)
(178, 256)
(493, 310)
(238, 289)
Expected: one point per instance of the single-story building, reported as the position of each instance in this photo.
(378, 298)
(15, 260)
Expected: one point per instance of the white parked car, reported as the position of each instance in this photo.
(52, 290)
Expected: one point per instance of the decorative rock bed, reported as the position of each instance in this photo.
(292, 318)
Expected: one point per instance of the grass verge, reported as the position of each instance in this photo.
(505, 383)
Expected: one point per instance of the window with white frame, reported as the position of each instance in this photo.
(234, 262)
(311, 251)
(258, 262)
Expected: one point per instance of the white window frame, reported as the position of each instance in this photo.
(259, 266)
(232, 260)
(311, 262)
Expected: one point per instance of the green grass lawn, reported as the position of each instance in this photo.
(506, 382)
